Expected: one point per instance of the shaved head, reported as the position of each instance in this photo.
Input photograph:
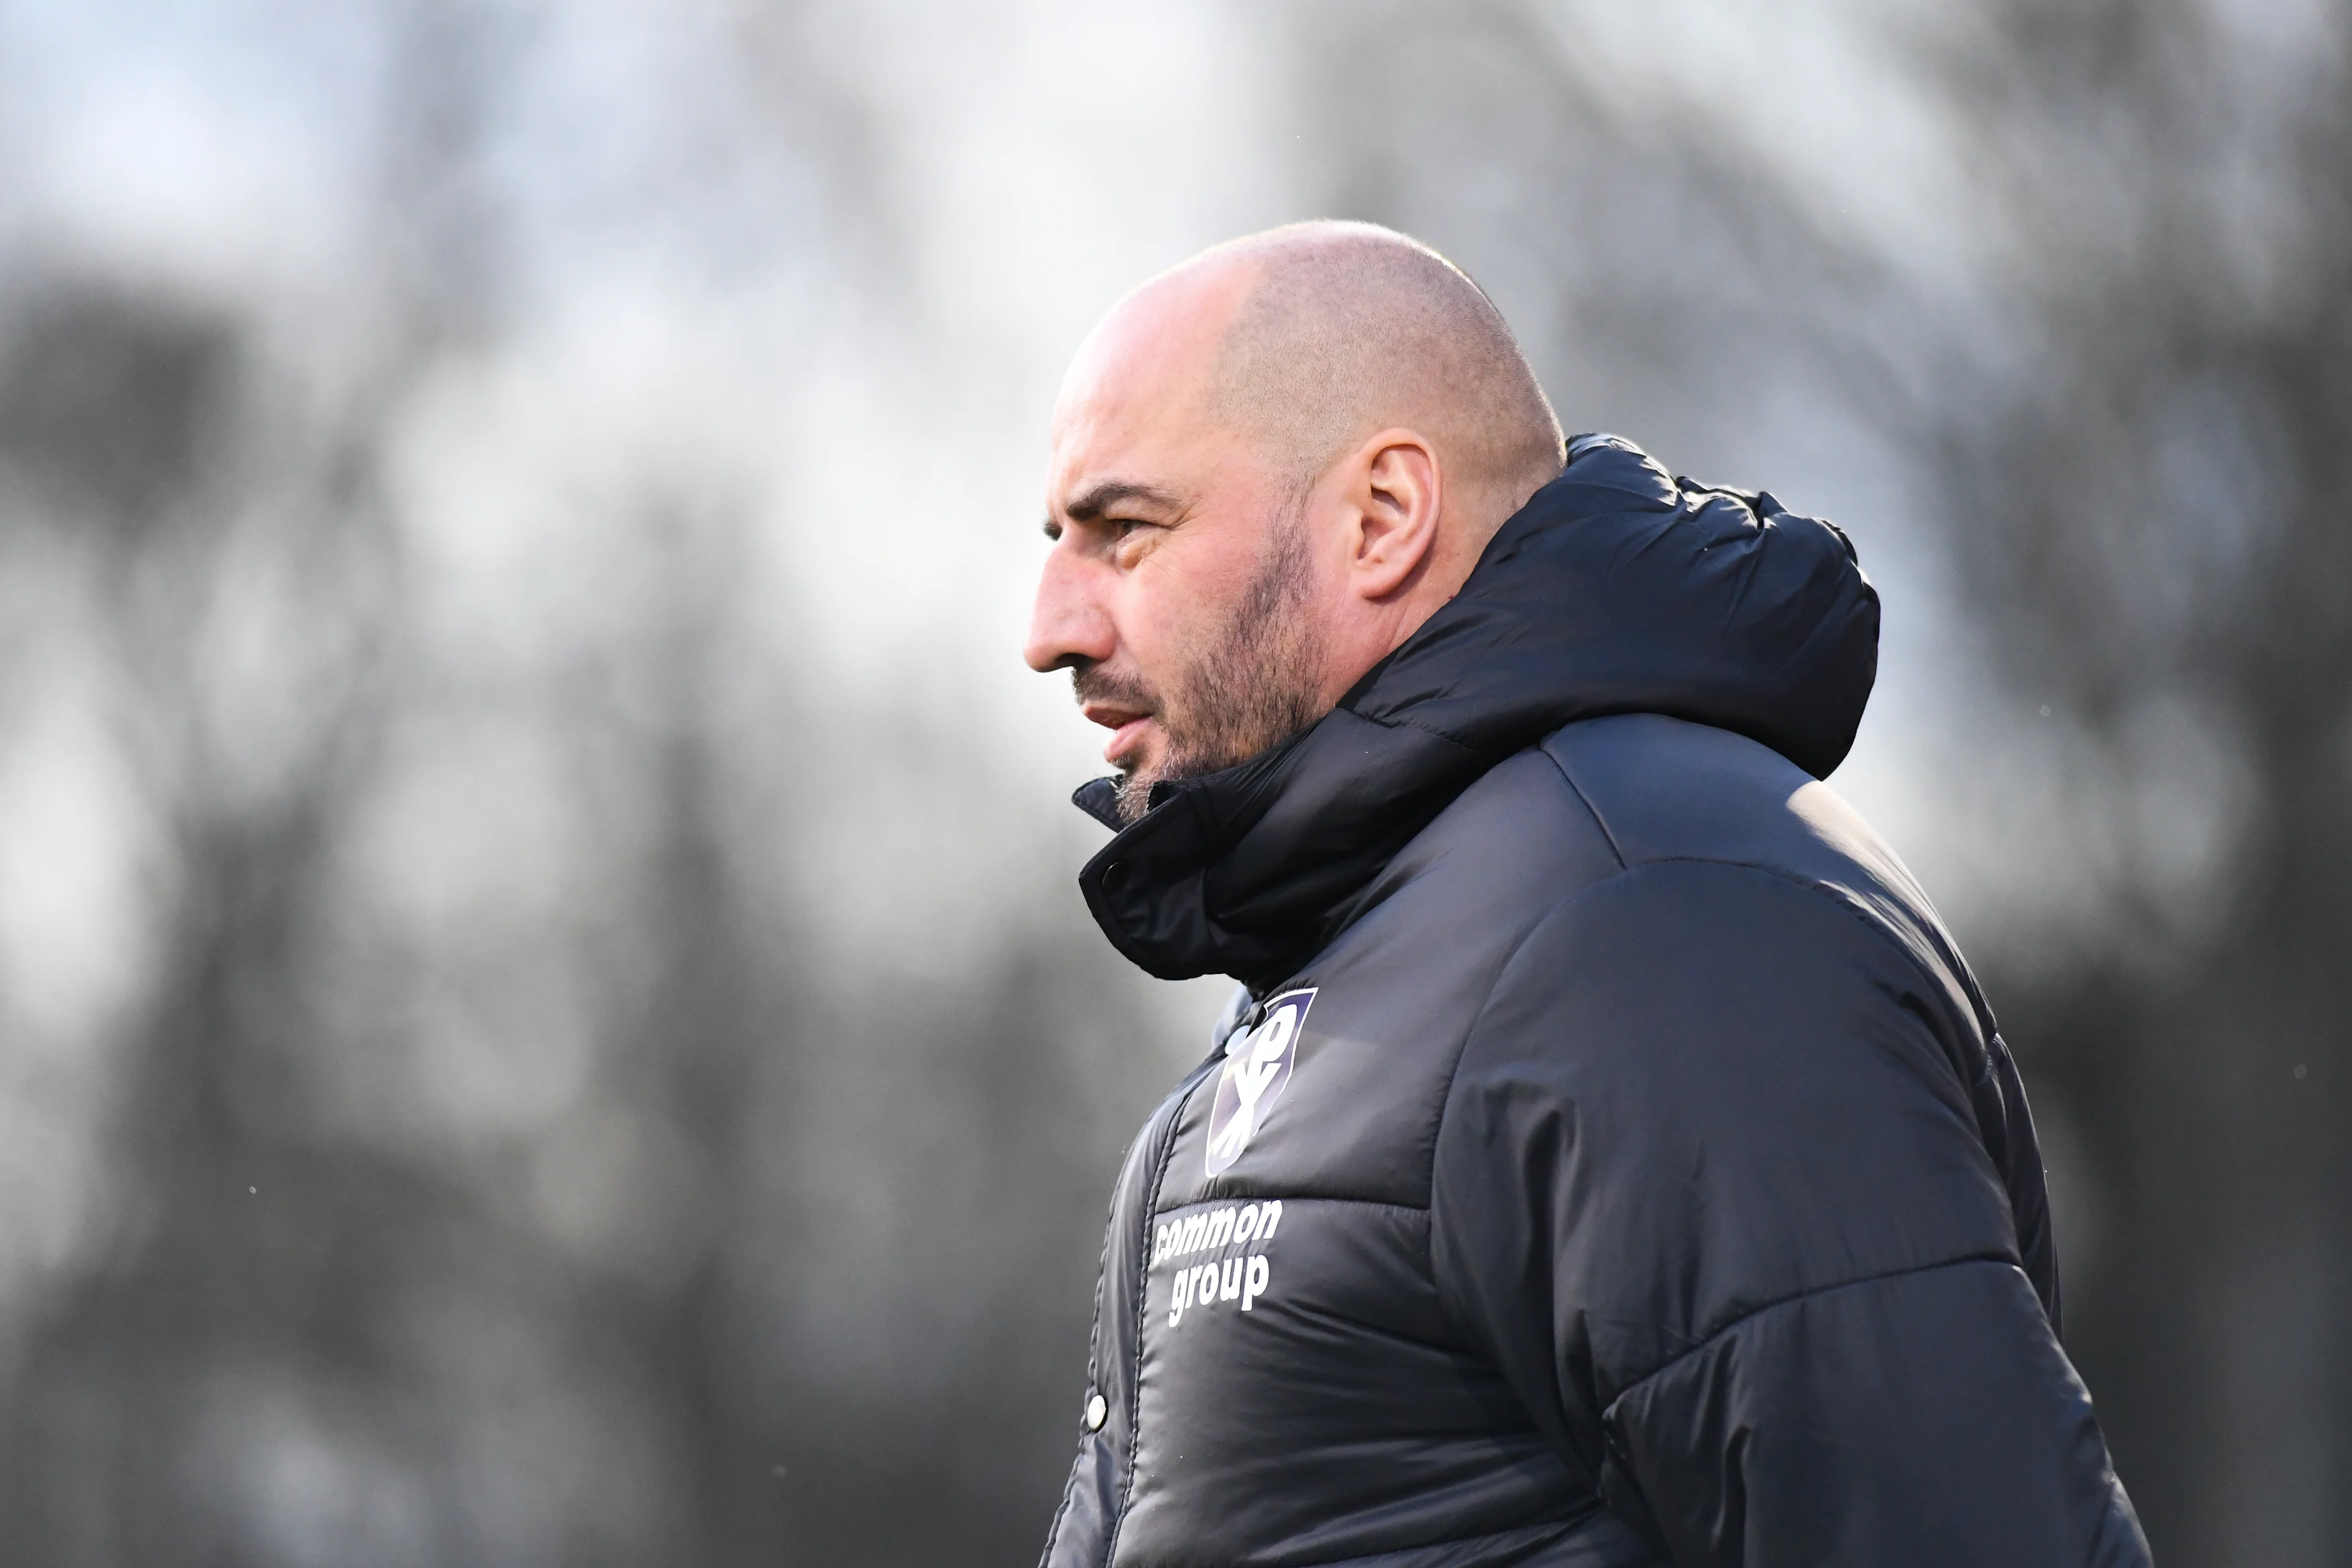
(1271, 463)
(1342, 329)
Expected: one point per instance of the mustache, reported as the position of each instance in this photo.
(1098, 683)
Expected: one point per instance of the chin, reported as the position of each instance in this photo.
(1139, 762)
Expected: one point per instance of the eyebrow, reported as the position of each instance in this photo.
(1092, 503)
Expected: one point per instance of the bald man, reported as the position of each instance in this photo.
(1607, 1158)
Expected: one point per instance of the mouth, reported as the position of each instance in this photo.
(1125, 726)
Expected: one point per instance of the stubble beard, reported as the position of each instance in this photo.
(1254, 682)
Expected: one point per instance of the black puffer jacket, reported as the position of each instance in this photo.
(1612, 1161)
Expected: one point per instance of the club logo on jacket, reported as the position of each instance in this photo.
(1257, 1066)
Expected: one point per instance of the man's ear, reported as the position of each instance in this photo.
(1398, 493)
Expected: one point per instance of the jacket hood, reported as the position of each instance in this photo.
(1616, 589)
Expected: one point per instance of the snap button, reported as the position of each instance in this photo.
(1114, 877)
(1098, 1412)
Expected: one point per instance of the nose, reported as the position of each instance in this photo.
(1068, 624)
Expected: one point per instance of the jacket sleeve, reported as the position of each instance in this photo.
(1710, 1191)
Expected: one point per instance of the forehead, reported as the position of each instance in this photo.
(1132, 405)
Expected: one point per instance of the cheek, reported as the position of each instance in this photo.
(1155, 626)
(1176, 644)
(1175, 606)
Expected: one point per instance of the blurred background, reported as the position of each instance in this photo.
(544, 1015)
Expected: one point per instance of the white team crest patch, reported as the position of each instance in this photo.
(1257, 1066)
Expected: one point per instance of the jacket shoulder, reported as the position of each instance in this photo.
(1664, 790)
